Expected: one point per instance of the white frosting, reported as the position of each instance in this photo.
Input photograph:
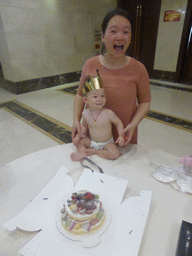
(78, 216)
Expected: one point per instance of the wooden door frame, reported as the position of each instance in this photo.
(183, 45)
(140, 48)
(167, 75)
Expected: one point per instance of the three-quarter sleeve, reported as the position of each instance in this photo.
(143, 89)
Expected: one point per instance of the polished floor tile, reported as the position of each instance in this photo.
(164, 137)
(17, 138)
(172, 102)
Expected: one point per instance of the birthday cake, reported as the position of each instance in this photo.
(82, 213)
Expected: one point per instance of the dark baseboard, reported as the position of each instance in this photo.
(39, 83)
(163, 75)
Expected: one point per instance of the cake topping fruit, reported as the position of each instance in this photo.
(84, 203)
(88, 196)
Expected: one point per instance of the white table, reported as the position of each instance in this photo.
(22, 179)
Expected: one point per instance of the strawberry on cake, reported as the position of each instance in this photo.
(82, 213)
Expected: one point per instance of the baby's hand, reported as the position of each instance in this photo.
(120, 141)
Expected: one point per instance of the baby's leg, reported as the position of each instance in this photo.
(109, 151)
(81, 147)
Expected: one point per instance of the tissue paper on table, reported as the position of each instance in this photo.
(36, 214)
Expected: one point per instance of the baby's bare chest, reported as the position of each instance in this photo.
(99, 121)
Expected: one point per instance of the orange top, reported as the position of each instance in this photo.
(124, 88)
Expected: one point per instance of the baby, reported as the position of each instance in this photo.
(96, 132)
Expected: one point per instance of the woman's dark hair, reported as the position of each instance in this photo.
(112, 14)
(108, 17)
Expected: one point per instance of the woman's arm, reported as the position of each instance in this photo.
(85, 128)
(119, 126)
(84, 131)
(140, 113)
(77, 114)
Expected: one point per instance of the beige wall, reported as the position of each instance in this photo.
(4, 53)
(169, 36)
(41, 38)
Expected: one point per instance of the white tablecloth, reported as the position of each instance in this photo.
(22, 179)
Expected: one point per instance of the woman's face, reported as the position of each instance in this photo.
(117, 36)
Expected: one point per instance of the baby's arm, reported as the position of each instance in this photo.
(119, 125)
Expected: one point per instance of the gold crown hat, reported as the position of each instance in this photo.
(94, 83)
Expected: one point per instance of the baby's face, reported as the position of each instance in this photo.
(96, 99)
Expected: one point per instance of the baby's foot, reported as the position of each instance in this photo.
(76, 156)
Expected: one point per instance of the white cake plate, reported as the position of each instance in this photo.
(164, 173)
(168, 177)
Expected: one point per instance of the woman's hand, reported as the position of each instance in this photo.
(120, 141)
(75, 130)
(141, 112)
(128, 133)
(76, 140)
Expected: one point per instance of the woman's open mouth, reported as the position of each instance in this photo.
(118, 47)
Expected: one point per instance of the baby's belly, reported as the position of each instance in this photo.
(100, 134)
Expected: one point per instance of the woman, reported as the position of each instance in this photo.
(125, 80)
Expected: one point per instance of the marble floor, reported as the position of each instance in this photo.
(37, 120)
